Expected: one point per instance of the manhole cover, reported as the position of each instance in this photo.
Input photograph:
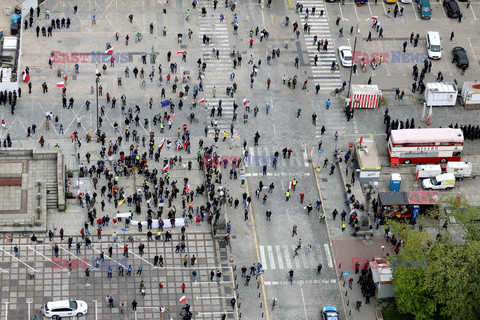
(59, 41)
(324, 180)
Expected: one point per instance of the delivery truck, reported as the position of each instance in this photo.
(441, 94)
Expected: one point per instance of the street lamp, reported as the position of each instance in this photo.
(97, 80)
(353, 53)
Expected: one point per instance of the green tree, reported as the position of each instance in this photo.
(435, 275)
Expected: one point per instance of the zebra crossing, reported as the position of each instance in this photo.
(281, 257)
(259, 156)
(217, 75)
(322, 73)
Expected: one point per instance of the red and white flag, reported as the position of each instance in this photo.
(183, 299)
(165, 168)
(26, 77)
(202, 100)
(417, 174)
(179, 52)
(245, 101)
(291, 185)
(429, 120)
(162, 144)
(187, 188)
(171, 117)
(109, 51)
(61, 84)
(374, 18)
(179, 146)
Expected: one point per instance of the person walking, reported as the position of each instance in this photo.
(319, 268)
(294, 230)
(134, 305)
(290, 276)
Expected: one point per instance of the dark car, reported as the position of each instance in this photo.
(460, 57)
(451, 8)
(331, 0)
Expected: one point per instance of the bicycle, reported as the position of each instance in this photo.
(274, 303)
(337, 91)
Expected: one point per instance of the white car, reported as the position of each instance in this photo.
(406, 1)
(65, 308)
(345, 55)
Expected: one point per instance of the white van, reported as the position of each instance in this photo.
(434, 46)
(65, 308)
(440, 182)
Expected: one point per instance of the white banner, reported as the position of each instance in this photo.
(179, 222)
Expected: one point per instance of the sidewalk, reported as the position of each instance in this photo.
(348, 249)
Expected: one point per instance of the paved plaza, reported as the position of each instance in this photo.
(64, 278)
(263, 104)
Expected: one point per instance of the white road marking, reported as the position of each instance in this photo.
(303, 300)
(263, 257)
(279, 257)
(287, 258)
(271, 257)
(329, 256)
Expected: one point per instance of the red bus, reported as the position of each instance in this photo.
(430, 145)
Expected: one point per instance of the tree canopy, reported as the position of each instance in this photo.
(436, 277)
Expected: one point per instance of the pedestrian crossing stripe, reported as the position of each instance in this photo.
(258, 156)
(281, 257)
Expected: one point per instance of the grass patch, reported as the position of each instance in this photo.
(390, 312)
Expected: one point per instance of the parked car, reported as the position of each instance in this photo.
(406, 1)
(451, 8)
(425, 9)
(329, 313)
(434, 46)
(391, 1)
(65, 308)
(331, 0)
(345, 55)
(460, 57)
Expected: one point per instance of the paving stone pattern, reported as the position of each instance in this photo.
(53, 280)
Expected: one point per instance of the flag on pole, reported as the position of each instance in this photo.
(179, 52)
(26, 77)
(162, 144)
(171, 117)
(165, 168)
(179, 146)
(183, 299)
(202, 100)
(109, 51)
(245, 101)
(374, 18)
(165, 103)
(61, 84)
(417, 174)
(187, 188)
(291, 185)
